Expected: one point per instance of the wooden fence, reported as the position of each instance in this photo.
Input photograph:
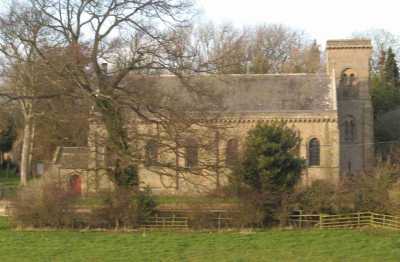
(352, 220)
(184, 220)
(167, 222)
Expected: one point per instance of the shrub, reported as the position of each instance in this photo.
(116, 210)
(319, 197)
(371, 194)
(200, 217)
(44, 203)
(146, 205)
(123, 207)
(250, 210)
(375, 191)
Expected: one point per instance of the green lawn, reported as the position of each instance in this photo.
(274, 245)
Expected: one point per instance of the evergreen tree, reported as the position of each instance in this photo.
(391, 70)
(271, 168)
(381, 64)
(270, 162)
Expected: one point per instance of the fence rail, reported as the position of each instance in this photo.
(353, 220)
(180, 221)
(167, 222)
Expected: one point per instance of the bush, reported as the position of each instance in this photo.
(200, 217)
(376, 191)
(49, 203)
(250, 211)
(123, 207)
(146, 206)
(44, 203)
(319, 197)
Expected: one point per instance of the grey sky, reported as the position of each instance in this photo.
(321, 19)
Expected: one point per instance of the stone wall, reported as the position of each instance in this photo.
(322, 125)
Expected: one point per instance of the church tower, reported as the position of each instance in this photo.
(348, 62)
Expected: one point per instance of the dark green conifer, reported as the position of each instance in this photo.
(391, 70)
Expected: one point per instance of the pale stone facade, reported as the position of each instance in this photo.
(331, 111)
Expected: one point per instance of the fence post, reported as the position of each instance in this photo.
(321, 216)
(384, 220)
(219, 221)
(301, 218)
(371, 219)
(358, 219)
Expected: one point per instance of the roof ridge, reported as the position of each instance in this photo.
(272, 74)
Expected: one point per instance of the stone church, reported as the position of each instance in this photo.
(331, 111)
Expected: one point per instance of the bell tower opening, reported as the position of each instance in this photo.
(349, 60)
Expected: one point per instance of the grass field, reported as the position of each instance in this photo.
(274, 245)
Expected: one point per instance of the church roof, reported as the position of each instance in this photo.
(280, 92)
(261, 93)
(72, 157)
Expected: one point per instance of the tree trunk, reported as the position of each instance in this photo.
(25, 153)
(31, 144)
(1, 159)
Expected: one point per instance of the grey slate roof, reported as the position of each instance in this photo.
(274, 93)
(73, 158)
(262, 93)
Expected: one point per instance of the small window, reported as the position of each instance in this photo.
(314, 152)
(151, 156)
(349, 129)
(191, 153)
(232, 151)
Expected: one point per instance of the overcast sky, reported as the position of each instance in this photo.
(321, 19)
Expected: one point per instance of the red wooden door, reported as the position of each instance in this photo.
(75, 183)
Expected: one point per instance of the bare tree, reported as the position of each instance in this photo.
(381, 40)
(27, 80)
(261, 49)
(107, 47)
(21, 83)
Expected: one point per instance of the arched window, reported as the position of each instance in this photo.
(232, 151)
(191, 153)
(349, 127)
(314, 151)
(349, 84)
(349, 78)
(151, 154)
